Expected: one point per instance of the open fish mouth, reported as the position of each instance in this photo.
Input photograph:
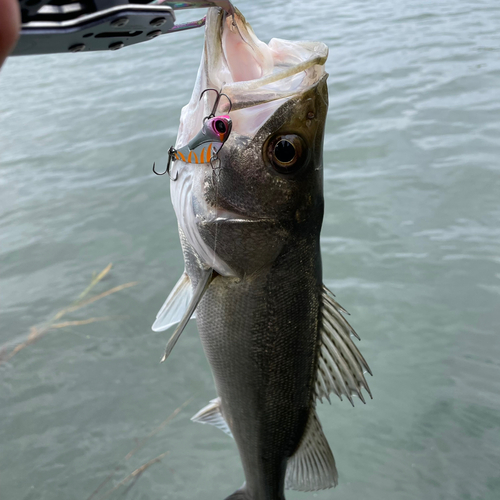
(257, 77)
(252, 72)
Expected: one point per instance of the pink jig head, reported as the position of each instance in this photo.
(206, 144)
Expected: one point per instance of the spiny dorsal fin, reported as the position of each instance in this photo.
(212, 415)
(312, 467)
(340, 364)
(206, 278)
(175, 306)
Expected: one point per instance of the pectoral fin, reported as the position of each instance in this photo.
(312, 467)
(205, 280)
(172, 311)
(341, 366)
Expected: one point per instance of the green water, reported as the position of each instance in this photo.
(411, 244)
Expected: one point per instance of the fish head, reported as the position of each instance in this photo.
(264, 187)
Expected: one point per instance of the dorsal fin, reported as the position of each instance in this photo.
(340, 364)
(312, 467)
(175, 306)
(212, 414)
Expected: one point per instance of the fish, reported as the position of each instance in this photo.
(249, 221)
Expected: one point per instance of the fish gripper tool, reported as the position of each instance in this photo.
(58, 26)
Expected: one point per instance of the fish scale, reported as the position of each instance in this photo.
(265, 366)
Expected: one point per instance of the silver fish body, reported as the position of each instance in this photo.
(249, 230)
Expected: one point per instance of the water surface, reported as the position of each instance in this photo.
(410, 246)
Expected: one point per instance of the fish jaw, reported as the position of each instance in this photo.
(230, 242)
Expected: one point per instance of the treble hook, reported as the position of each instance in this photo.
(171, 156)
(216, 103)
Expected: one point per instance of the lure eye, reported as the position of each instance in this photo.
(287, 153)
(220, 126)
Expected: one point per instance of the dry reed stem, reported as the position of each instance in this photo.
(79, 305)
(137, 472)
(96, 280)
(155, 431)
(36, 332)
(140, 445)
(64, 324)
(32, 337)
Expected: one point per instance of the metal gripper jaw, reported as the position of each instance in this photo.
(58, 26)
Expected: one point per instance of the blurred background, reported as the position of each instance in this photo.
(410, 245)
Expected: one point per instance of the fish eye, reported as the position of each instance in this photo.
(220, 126)
(286, 153)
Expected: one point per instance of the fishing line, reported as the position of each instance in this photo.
(215, 162)
(215, 182)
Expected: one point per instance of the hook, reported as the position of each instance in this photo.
(171, 156)
(156, 172)
(216, 103)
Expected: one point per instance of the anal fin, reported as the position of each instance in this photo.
(312, 467)
(211, 414)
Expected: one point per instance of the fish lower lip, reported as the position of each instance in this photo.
(235, 217)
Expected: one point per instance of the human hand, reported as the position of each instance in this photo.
(10, 22)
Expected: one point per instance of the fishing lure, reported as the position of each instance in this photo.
(205, 146)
